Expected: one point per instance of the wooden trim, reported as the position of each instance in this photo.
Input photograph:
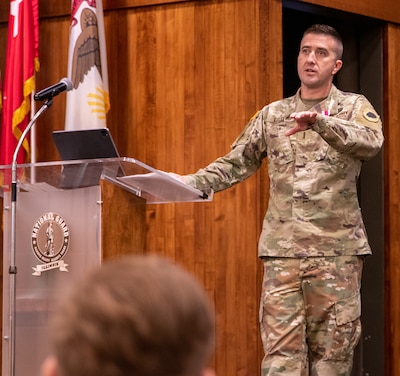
(269, 89)
(392, 198)
(387, 10)
(271, 75)
(121, 4)
(57, 8)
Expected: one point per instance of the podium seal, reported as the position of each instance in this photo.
(50, 241)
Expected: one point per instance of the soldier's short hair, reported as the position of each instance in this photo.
(327, 30)
(138, 315)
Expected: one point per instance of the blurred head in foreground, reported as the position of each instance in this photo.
(138, 316)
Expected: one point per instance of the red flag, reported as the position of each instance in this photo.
(19, 77)
(1, 93)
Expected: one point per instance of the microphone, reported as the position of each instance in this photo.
(65, 84)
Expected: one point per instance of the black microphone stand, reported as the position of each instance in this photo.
(13, 268)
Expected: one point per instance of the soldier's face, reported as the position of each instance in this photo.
(318, 61)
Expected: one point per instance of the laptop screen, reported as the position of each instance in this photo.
(85, 144)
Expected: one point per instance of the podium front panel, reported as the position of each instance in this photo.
(57, 242)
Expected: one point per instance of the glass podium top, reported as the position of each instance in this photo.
(153, 185)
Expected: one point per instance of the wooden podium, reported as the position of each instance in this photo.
(70, 216)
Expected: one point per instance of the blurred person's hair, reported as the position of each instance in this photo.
(138, 315)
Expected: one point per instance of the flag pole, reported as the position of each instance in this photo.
(33, 140)
(33, 131)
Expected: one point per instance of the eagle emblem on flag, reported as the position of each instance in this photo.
(86, 53)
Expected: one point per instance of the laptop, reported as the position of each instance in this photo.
(85, 144)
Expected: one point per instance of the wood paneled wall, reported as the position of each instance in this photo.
(184, 80)
(185, 76)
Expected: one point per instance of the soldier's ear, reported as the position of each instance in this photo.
(338, 65)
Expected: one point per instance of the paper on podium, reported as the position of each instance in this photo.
(161, 187)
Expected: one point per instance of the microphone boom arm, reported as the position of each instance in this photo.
(13, 269)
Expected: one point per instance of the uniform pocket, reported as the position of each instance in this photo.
(280, 151)
(348, 310)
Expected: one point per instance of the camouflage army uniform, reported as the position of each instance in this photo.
(313, 238)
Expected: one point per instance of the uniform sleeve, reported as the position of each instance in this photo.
(242, 161)
(355, 130)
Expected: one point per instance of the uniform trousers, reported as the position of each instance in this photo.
(310, 315)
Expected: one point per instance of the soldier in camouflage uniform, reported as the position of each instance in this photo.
(313, 240)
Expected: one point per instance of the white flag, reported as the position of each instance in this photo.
(88, 102)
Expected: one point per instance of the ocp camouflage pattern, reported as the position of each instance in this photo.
(310, 306)
(313, 205)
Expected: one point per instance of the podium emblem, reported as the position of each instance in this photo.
(50, 241)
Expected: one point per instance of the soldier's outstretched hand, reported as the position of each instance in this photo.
(303, 121)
